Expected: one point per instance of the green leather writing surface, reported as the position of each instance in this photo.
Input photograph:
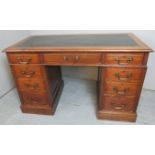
(78, 41)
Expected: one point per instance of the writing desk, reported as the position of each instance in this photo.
(121, 60)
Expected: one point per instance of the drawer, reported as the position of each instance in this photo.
(23, 58)
(32, 85)
(121, 89)
(72, 58)
(123, 104)
(27, 71)
(124, 74)
(34, 99)
(124, 59)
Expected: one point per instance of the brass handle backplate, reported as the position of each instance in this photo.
(120, 92)
(72, 58)
(28, 74)
(33, 100)
(32, 86)
(128, 60)
(127, 77)
(24, 60)
(77, 58)
(119, 107)
(65, 58)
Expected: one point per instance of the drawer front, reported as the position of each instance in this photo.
(119, 104)
(71, 58)
(27, 71)
(33, 85)
(121, 89)
(124, 59)
(23, 58)
(34, 99)
(125, 74)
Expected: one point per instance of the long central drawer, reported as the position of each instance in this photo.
(71, 58)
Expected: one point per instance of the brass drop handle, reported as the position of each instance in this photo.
(118, 60)
(66, 58)
(122, 92)
(77, 58)
(118, 107)
(32, 100)
(30, 86)
(127, 77)
(24, 60)
(28, 74)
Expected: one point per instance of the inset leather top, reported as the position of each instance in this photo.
(100, 42)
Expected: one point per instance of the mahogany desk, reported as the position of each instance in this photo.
(121, 60)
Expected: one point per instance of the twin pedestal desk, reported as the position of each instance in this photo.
(121, 60)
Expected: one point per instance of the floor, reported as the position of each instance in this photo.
(76, 107)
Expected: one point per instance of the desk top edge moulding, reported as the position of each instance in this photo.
(80, 43)
(121, 59)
